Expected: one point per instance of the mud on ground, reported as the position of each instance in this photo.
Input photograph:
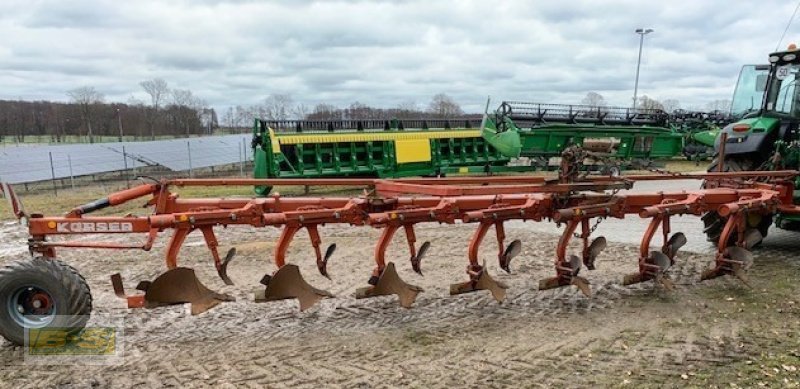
(714, 333)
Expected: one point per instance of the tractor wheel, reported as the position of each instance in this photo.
(690, 152)
(42, 293)
(714, 224)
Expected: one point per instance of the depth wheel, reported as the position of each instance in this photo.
(41, 293)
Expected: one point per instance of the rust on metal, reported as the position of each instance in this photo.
(176, 286)
(288, 283)
(390, 283)
(180, 285)
(480, 280)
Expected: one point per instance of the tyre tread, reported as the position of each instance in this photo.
(75, 288)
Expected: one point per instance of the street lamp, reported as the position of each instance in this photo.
(642, 32)
(119, 120)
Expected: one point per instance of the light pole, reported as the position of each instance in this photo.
(119, 120)
(642, 32)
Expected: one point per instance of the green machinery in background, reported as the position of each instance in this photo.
(700, 130)
(400, 148)
(621, 136)
(767, 137)
(372, 148)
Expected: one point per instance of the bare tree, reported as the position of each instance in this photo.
(324, 111)
(594, 99)
(139, 108)
(719, 105)
(245, 116)
(444, 106)
(358, 111)
(229, 118)
(188, 107)
(182, 97)
(57, 130)
(208, 119)
(300, 111)
(157, 88)
(671, 105)
(407, 110)
(277, 107)
(86, 97)
(648, 103)
(19, 119)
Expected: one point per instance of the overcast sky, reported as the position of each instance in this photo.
(386, 53)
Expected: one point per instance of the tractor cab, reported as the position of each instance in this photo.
(767, 98)
(769, 90)
(782, 97)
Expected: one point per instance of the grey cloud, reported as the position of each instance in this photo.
(74, 14)
(188, 60)
(384, 53)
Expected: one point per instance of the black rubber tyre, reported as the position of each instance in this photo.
(790, 225)
(697, 152)
(714, 224)
(29, 286)
(690, 151)
(734, 164)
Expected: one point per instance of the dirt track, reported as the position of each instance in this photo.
(636, 335)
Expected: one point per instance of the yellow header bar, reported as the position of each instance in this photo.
(293, 139)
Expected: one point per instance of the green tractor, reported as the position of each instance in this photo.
(767, 136)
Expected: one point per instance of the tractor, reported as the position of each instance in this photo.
(765, 138)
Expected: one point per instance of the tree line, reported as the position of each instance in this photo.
(597, 100)
(282, 107)
(171, 112)
(176, 112)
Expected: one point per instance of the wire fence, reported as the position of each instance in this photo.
(12, 141)
(59, 167)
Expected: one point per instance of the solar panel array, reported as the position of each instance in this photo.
(33, 163)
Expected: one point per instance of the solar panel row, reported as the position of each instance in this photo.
(33, 163)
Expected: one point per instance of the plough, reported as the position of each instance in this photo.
(392, 205)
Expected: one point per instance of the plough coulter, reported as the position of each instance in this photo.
(30, 294)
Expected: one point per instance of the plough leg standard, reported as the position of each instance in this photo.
(390, 205)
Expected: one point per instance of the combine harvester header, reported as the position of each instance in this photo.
(619, 137)
(372, 148)
(401, 148)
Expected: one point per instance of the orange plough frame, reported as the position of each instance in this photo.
(392, 205)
